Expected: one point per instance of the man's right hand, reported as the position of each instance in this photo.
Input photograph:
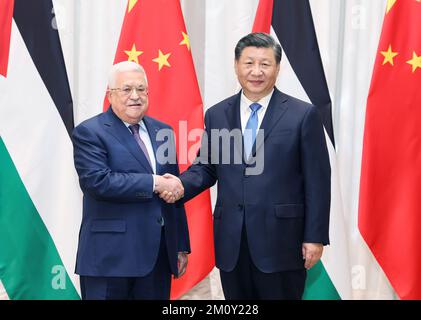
(169, 187)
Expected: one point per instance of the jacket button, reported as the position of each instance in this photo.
(160, 220)
(240, 207)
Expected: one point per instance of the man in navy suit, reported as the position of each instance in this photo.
(130, 241)
(271, 217)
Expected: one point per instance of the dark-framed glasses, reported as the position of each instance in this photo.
(127, 91)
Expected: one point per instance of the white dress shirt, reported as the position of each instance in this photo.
(144, 135)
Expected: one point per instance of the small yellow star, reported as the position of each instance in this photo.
(131, 5)
(390, 4)
(388, 55)
(162, 59)
(415, 61)
(133, 54)
(185, 40)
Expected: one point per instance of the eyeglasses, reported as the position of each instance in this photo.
(127, 91)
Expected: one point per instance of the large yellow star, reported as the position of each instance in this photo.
(388, 55)
(131, 5)
(185, 40)
(390, 4)
(162, 59)
(133, 54)
(415, 61)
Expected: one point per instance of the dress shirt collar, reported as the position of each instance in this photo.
(246, 102)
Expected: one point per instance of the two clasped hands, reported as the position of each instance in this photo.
(169, 188)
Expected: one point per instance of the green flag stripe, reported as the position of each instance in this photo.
(30, 266)
(319, 286)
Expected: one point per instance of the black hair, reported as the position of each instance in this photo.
(259, 40)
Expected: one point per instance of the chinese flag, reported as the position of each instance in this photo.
(6, 14)
(154, 35)
(390, 188)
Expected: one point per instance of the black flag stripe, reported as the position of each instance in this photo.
(292, 22)
(35, 21)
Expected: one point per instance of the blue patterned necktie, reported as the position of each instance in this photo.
(251, 126)
(135, 130)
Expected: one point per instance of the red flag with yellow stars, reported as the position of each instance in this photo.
(390, 188)
(6, 14)
(154, 35)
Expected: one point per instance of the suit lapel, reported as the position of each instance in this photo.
(117, 128)
(232, 112)
(153, 131)
(275, 111)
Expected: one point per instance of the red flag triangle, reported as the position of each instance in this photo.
(6, 14)
(263, 19)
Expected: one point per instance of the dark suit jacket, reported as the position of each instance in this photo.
(121, 224)
(284, 206)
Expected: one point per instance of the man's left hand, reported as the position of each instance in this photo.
(312, 253)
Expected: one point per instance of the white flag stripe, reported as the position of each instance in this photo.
(287, 80)
(3, 293)
(335, 256)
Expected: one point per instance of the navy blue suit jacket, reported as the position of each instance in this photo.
(121, 225)
(284, 206)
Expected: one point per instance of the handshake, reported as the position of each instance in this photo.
(169, 188)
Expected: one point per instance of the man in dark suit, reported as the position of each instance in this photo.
(130, 240)
(271, 217)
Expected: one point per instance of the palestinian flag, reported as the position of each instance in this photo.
(40, 201)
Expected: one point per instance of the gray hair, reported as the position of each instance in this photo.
(125, 66)
(259, 40)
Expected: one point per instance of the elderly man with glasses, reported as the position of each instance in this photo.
(130, 241)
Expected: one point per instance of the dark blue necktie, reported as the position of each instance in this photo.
(251, 125)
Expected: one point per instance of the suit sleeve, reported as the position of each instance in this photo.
(316, 168)
(182, 226)
(97, 179)
(201, 175)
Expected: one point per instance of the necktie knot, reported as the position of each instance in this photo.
(255, 107)
(134, 128)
